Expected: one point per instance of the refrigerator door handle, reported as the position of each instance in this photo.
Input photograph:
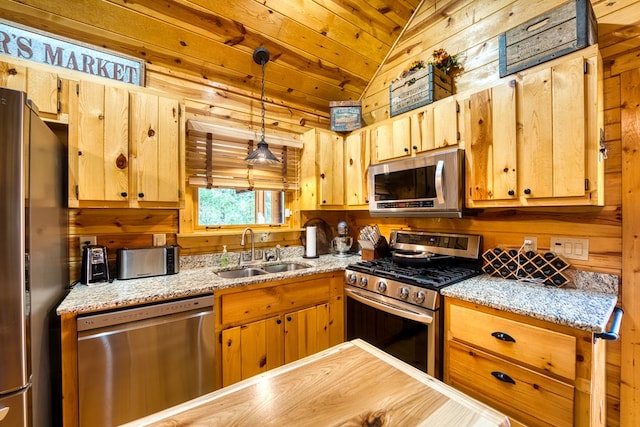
(4, 412)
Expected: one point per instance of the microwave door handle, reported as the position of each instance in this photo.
(439, 192)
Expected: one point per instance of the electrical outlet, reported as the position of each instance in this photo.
(87, 240)
(159, 239)
(533, 246)
(570, 247)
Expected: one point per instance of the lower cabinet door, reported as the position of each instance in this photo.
(250, 349)
(522, 394)
(306, 332)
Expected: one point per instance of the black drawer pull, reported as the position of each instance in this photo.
(503, 377)
(503, 337)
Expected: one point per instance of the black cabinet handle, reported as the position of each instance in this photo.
(288, 318)
(278, 321)
(527, 191)
(141, 195)
(511, 192)
(503, 377)
(415, 147)
(503, 337)
(406, 150)
(123, 194)
(612, 335)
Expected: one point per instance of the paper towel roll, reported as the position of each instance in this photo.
(311, 241)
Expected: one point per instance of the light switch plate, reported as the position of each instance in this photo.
(570, 247)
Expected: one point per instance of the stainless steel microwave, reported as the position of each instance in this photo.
(427, 185)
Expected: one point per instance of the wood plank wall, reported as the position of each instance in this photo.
(506, 228)
(469, 27)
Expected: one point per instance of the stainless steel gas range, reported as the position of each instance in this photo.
(394, 303)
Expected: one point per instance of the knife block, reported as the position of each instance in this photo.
(370, 252)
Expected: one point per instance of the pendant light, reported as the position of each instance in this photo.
(261, 155)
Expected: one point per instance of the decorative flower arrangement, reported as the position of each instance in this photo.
(445, 62)
(449, 64)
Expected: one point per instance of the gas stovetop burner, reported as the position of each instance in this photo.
(433, 276)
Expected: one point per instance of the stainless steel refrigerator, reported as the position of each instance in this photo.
(33, 262)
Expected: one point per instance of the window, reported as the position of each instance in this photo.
(225, 206)
(229, 192)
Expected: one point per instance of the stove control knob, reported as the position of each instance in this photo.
(381, 286)
(363, 282)
(419, 297)
(403, 292)
(351, 278)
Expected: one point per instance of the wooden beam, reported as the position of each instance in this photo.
(630, 331)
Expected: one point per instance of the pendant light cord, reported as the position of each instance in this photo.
(262, 99)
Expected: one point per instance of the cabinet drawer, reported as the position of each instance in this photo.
(520, 393)
(540, 348)
(256, 303)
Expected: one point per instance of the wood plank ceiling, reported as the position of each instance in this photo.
(321, 50)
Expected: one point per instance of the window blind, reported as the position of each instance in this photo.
(215, 159)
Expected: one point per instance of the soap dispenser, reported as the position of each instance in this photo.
(224, 258)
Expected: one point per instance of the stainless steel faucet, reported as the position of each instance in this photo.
(253, 246)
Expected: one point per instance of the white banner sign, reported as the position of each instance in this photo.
(50, 50)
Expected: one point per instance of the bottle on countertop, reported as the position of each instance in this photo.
(224, 258)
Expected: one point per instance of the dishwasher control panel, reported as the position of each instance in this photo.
(136, 313)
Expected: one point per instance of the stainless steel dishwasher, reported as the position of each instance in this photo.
(137, 361)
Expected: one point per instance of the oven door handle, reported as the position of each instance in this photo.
(438, 177)
(405, 312)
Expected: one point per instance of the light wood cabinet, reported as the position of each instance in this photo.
(155, 148)
(435, 126)
(263, 326)
(334, 170)
(357, 160)
(391, 139)
(534, 140)
(536, 372)
(250, 349)
(99, 145)
(125, 148)
(43, 87)
(331, 168)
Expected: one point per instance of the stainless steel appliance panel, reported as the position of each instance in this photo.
(428, 185)
(15, 372)
(33, 253)
(14, 409)
(132, 363)
(147, 262)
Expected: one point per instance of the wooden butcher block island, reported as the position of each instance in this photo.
(351, 384)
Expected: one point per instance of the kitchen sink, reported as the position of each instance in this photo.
(244, 272)
(285, 266)
(263, 269)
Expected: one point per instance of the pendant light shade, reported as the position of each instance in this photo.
(261, 155)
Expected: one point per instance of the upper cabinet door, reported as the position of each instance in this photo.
(357, 159)
(98, 144)
(553, 126)
(42, 87)
(155, 147)
(536, 142)
(445, 122)
(331, 164)
(392, 139)
(491, 150)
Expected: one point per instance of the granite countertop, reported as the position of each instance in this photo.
(196, 277)
(586, 307)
